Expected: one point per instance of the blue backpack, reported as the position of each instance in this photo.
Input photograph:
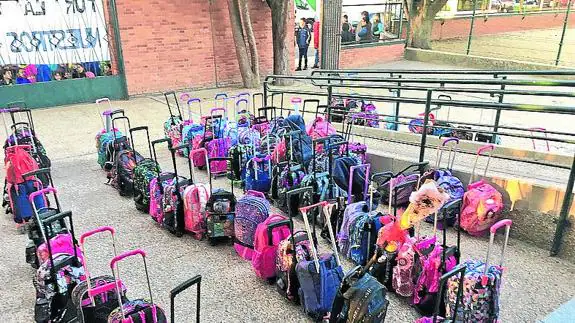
(453, 186)
(363, 236)
(189, 132)
(361, 298)
(318, 287)
(259, 174)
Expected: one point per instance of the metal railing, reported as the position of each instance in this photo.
(327, 87)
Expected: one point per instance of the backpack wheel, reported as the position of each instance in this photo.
(212, 242)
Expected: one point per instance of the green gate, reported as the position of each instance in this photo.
(60, 52)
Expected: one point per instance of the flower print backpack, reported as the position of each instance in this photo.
(251, 210)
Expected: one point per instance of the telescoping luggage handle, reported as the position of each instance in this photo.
(185, 97)
(486, 148)
(172, 115)
(210, 160)
(459, 270)
(196, 280)
(304, 210)
(256, 160)
(327, 209)
(70, 260)
(23, 125)
(310, 102)
(15, 109)
(194, 152)
(117, 283)
(190, 167)
(493, 230)
(352, 169)
(451, 143)
(114, 129)
(83, 237)
(173, 155)
(43, 192)
(107, 114)
(145, 129)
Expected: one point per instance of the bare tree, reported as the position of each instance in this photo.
(245, 41)
(421, 15)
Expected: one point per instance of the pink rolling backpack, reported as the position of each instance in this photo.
(267, 238)
(482, 203)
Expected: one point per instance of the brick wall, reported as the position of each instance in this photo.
(185, 43)
(457, 28)
(357, 57)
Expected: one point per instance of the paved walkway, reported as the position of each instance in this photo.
(534, 284)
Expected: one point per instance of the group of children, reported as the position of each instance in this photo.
(32, 73)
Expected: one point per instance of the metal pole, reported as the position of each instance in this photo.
(425, 121)
(498, 113)
(563, 33)
(400, 27)
(119, 51)
(565, 207)
(471, 27)
(396, 116)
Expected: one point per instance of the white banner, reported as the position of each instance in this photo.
(52, 32)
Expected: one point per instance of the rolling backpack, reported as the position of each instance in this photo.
(240, 155)
(157, 185)
(216, 148)
(123, 178)
(59, 272)
(136, 310)
(220, 209)
(482, 285)
(320, 128)
(258, 174)
(482, 203)
(360, 298)
(145, 170)
(290, 251)
(93, 301)
(444, 178)
(251, 210)
(195, 197)
(371, 119)
(173, 201)
(18, 162)
(189, 132)
(173, 126)
(268, 236)
(319, 277)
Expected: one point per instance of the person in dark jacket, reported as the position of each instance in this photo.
(303, 38)
(346, 35)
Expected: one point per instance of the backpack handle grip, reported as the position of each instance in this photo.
(256, 194)
(43, 191)
(275, 225)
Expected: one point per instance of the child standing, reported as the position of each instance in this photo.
(303, 38)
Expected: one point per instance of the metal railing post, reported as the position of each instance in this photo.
(471, 28)
(425, 121)
(498, 113)
(396, 116)
(400, 27)
(564, 214)
(265, 93)
(565, 22)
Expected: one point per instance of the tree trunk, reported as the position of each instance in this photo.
(280, 30)
(421, 28)
(421, 15)
(248, 76)
(252, 45)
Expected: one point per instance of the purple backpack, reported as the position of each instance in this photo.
(218, 148)
(251, 210)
